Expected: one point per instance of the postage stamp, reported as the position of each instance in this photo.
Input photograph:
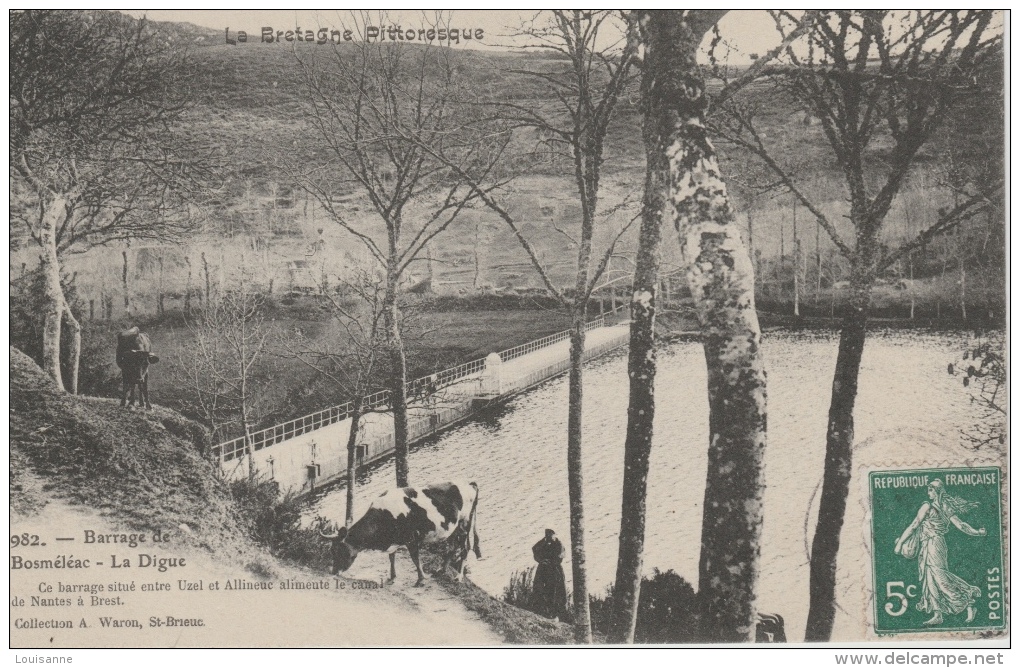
(937, 556)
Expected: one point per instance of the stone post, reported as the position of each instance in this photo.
(492, 385)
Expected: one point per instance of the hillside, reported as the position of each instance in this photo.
(85, 464)
(145, 470)
(250, 109)
(250, 114)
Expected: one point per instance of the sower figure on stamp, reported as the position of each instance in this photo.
(942, 592)
(550, 587)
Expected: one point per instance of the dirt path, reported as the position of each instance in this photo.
(346, 613)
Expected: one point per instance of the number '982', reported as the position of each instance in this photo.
(24, 540)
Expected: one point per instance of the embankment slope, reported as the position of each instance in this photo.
(80, 463)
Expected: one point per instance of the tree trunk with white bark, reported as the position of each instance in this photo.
(54, 306)
(721, 279)
(53, 297)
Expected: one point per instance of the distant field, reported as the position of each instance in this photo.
(451, 331)
(435, 341)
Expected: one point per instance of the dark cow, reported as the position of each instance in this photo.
(770, 628)
(409, 516)
(134, 355)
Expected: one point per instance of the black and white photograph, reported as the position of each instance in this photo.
(510, 328)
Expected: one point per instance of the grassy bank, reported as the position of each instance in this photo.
(147, 470)
(144, 471)
(515, 625)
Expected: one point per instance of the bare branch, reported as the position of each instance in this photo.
(759, 66)
(756, 146)
(965, 210)
(607, 256)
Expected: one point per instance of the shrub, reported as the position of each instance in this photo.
(26, 327)
(666, 610)
(520, 591)
(274, 522)
(170, 318)
(95, 376)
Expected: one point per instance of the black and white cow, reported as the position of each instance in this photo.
(410, 516)
(134, 355)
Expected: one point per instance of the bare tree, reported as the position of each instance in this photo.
(225, 372)
(588, 77)
(382, 110)
(94, 157)
(870, 75)
(351, 364)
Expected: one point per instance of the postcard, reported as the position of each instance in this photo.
(504, 328)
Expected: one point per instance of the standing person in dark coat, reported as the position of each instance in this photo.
(134, 355)
(550, 587)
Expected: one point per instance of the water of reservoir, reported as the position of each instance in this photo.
(908, 408)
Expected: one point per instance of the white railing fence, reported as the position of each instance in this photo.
(417, 390)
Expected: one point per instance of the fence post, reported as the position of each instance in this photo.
(492, 376)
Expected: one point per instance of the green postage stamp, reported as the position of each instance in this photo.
(937, 554)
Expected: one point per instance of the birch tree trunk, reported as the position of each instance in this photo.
(641, 367)
(796, 277)
(721, 279)
(796, 264)
(74, 350)
(53, 294)
(160, 295)
(913, 292)
(475, 252)
(249, 446)
(187, 287)
(818, 262)
(208, 285)
(963, 290)
(124, 282)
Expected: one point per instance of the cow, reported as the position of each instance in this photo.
(134, 355)
(410, 516)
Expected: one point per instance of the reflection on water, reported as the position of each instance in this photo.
(517, 455)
